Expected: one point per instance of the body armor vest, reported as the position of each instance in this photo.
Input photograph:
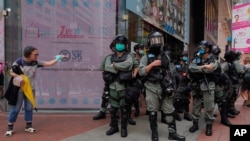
(123, 76)
(154, 75)
(199, 75)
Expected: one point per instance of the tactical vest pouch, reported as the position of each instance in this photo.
(195, 76)
(154, 75)
(125, 76)
(132, 91)
(167, 85)
(108, 77)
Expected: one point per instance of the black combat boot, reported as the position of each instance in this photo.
(130, 120)
(99, 115)
(124, 122)
(186, 112)
(223, 115)
(231, 104)
(114, 122)
(173, 135)
(195, 126)
(209, 130)
(153, 125)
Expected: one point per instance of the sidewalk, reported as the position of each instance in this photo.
(79, 126)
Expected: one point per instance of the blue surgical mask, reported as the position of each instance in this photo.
(119, 47)
(185, 58)
(201, 51)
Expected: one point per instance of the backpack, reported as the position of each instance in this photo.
(247, 76)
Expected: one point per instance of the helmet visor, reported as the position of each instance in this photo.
(156, 40)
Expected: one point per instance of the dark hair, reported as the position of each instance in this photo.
(28, 50)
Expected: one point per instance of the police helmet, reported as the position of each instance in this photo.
(112, 45)
(216, 50)
(155, 39)
(121, 39)
(230, 55)
(238, 53)
(207, 44)
(138, 46)
(182, 56)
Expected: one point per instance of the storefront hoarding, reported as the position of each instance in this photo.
(80, 29)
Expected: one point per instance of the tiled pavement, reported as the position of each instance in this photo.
(79, 126)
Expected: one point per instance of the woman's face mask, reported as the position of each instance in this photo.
(119, 47)
(141, 52)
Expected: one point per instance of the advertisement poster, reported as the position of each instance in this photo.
(80, 29)
(241, 27)
(167, 15)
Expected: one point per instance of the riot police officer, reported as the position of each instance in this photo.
(133, 86)
(235, 71)
(105, 95)
(221, 80)
(181, 100)
(139, 52)
(159, 88)
(120, 67)
(203, 66)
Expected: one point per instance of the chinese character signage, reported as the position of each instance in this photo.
(80, 29)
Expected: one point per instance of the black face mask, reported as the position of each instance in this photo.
(155, 50)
